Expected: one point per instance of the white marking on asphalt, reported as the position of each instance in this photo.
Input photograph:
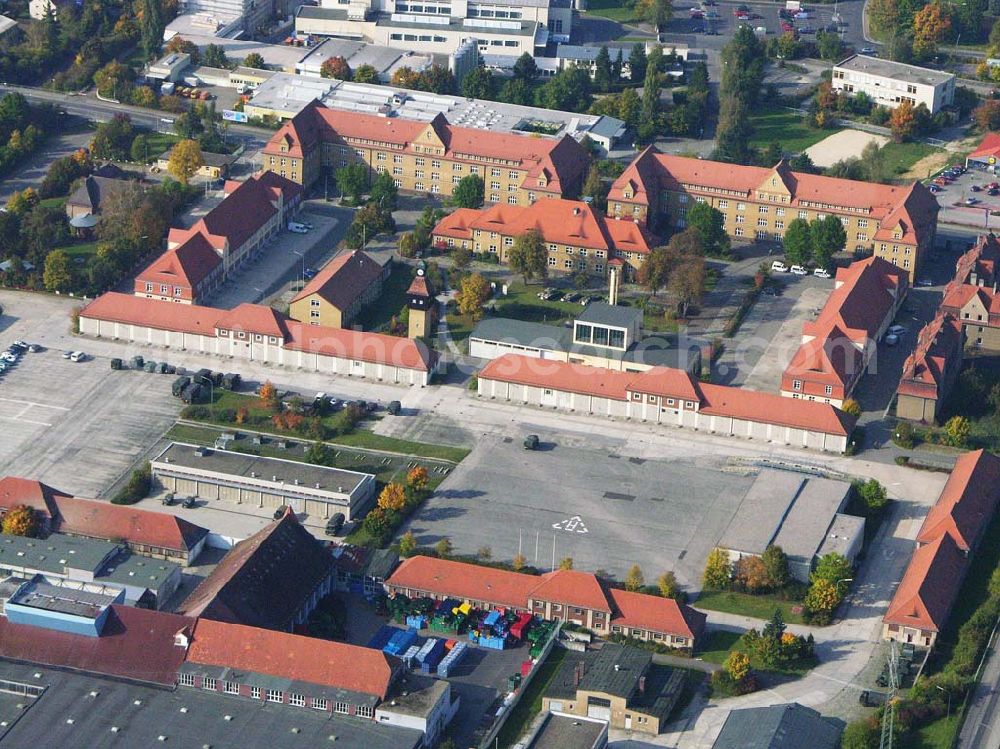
(32, 403)
(25, 421)
(574, 524)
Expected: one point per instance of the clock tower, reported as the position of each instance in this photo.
(420, 300)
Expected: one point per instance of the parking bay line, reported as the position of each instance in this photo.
(33, 403)
(25, 421)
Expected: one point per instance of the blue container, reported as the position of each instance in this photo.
(433, 658)
(492, 618)
(400, 641)
(416, 621)
(381, 638)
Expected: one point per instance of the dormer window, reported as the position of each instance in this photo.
(628, 195)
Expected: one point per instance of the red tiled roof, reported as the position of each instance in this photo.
(718, 400)
(186, 265)
(967, 503)
(293, 657)
(989, 146)
(466, 581)
(241, 214)
(344, 279)
(573, 587)
(354, 344)
(982, 259)
(642, 611)
(153, 313)
(255, 318)
(938, 351)
(96, 519)
(458, 223)
(40, 497)
(929, 586)
(136, 644)
(420, 286)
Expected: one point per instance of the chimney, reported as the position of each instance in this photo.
(576, 211)
(613, 284)
(617, 667)
(642, 685)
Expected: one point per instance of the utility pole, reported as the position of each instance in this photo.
(885, 742)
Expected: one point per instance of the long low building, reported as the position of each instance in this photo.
(258, 333)
(565, 595)
(236, 477)
(666, 396)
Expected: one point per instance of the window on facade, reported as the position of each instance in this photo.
(274, 695)
(185, 680)
(296, 699)
(512, 199)
(364, 711)
(762, 209)
(231, 687)
(342, 707)
(740, 218)
(255, 693)
(738, 231)
(319, 703)
(779, 211)
(208, 683)
(762, 222)
(829, 389)
(796, 384)
(553, 262)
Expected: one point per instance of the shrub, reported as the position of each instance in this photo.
(137, 488)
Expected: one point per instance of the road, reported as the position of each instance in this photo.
(981, 727)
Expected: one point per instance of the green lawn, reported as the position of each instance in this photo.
(160, 143)
(84, 249)
(460, 327)
(759, 607)
(721, 642)
(370, 441)
(787, 128)
(522, 303)
(530, 703)
(379, 315)
(937, 735)
(616, 10)
(54, 202)
(900, 157)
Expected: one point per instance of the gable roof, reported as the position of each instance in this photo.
(989, 146)
(580, 588)
(186, 265)
(789, 726)
(925, 595)
(293, 657)
(40, 497)
(264, 580)
(135, 644)
(967, 503)
(255, 318)
(938, 349)
(770, 408)
(463, 580)
(360, 346)
(644, 611)
(343, 280)
(94, 189)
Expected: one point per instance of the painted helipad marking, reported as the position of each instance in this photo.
(574, 524)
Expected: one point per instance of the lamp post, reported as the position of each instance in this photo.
(947, 692)
(302, 255)
(211, 388)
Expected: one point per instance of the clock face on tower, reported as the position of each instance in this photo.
(420, 271)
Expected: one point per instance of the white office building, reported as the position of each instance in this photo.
(891, 83)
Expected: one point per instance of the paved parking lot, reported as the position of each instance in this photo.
(608, 510)
(762, 14)
(73, 427)
(952, 199)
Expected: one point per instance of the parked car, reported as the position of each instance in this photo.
(574, 297)
(925, 282)
(821, 273)
(891, 340)
(394, 408)
(168, 499)
(897, 329)
(971, 201)
(802, 15)
(78, 356)
(335, 524)
(869, 51)
(993, 186)
(697, 13)
(531, 442)
(993, 192)
(807, 30)
(309, 273)
(934, 188)
(67, 354)
(787, 28)
(189, 503)
(798, 270)
(975, 188)
(36, 348)
(779, 267)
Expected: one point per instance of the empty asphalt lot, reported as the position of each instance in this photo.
(601, 507)
(75, 426)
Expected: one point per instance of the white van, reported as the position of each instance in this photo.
(296, 228)
(779, 267)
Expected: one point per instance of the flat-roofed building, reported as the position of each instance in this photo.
(889, 83)
(76, 608)
(239, 478)
(897, 223)
(562, 731)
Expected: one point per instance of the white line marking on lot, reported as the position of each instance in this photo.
(32, 403)
(574, 524)
(25, 421)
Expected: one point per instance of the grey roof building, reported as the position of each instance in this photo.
(560, 731)
(788, 726)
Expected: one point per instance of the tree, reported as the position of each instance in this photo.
(480, 84)
(437, 79)
(568, 90)
(144, 96)
(822, 598)
(874, 495)
(405, 77)
(407, 544)
(860, 734)
(594, 188)
(833, 568)
(366, 74)
(873, 164)
(151, 26)
(710, 225)
(687, 282)
(352, 180)
(469, 192)
(268, 394)
(851, 407)
(180, 45)
(518, 562)
(602, 73)
(516, 91)
(318, 454)
(443, 548)
(20, 520)
(987, 114)
(827, 237)
(417, 479)
(384, 192)
(566, 563)
(376, 523)
(58, 273)
(408, 245)
(472, 295)
(214, 56)
(255, 60)
(775, 628)
(649, 113)
(750, 573)
(667, 585)
(718, 570)
(185, 160)
(634, 579)
(525, 68)
(335, 67)
(829, 46)
(903, 122)
(461, 258)
(956, 429)
(654, 12)
(883, 16)
(737, 665)
(528, 256)
(112, 80)
(637, 62)
(776, 563)
(393, 497)
(930, 24)
(798, 242)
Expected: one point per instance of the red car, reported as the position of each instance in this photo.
(786, 27)
(993, 186)
(942, 181)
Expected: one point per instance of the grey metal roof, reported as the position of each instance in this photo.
(525, 28)
(84, 603)
(896, 70)
(523, 333)
(323, 14)
(569, 732)
(609, 127)
(805, 526)
(602, 313)
(788, 726)
(763, 509)
(577, 52)
(381, 563)
(184, 717)
(54, 554)
(840, 534)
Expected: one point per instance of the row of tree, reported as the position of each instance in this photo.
(913, 29)
(743, 60)
(816, 242)
(22, 129)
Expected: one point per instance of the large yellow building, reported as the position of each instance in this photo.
(895, 222)
(345, 286)
(429, 157)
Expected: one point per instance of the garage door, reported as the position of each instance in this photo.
(599, 708)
